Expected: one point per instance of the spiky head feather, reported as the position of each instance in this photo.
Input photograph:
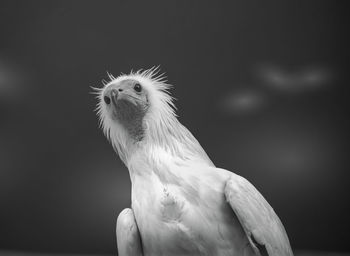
(162, 129)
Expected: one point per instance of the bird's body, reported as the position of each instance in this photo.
(181, 203)
(180, 208)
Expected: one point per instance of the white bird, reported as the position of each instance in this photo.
(181, 203)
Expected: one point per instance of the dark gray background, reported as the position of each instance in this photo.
(262, 85)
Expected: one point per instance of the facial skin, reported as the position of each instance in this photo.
(127, 104)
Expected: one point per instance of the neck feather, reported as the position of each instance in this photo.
(166, 133)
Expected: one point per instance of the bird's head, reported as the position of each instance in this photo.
(126, 102)
(133, 108)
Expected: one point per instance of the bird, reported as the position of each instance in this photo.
(181, 203)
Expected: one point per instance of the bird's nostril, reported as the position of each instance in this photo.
(107, 100)
(120, 89)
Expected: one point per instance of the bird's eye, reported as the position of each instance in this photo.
(137, 87)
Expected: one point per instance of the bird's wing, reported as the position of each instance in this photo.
(259, 221)
(128, 236)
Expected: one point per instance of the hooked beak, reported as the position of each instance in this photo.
(114, 96)
(111, 96)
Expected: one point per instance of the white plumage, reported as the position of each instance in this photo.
(181, 203)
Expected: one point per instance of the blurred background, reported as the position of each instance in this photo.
(262, 85)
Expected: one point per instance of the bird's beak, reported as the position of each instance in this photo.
(114, 96)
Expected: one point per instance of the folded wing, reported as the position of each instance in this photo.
(259, 221)
(128, 236)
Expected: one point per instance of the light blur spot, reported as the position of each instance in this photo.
(242, 102)
(11, 77)
(300, 80)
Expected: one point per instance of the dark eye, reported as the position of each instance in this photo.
(137, 87)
